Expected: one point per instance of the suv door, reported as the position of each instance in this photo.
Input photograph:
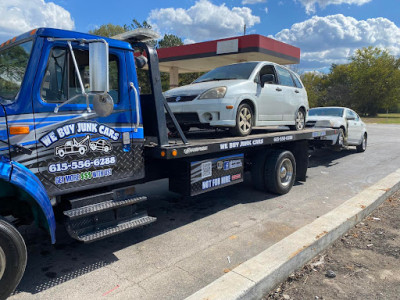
(77, 148)
(269, 97)
(291, 98)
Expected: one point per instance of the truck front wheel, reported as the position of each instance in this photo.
(13, 257)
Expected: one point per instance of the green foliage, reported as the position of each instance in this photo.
(375, 75)
(369, 83)
(108, 30)
(136, 24)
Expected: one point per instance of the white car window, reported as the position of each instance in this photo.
(284, 77)
(296, 80)
(351, 114)
(268, 69)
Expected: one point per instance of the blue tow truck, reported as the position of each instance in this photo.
(77, 134)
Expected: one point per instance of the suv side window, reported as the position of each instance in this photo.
(297, 81)
(268, 69)
(284, 76)
(61, 83)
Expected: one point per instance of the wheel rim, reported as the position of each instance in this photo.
(3, 262)
(364, 143)
(245, 119)
(286, 172)
(341, 139)
(300, 120)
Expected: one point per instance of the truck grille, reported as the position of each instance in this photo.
(181, 98)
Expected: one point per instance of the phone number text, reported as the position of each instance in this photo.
(82, 164)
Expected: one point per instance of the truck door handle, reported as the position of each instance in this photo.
(278, 89)
(296, 91)
(137, 106)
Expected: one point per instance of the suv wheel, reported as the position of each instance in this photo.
(300, 121)
(244, 121)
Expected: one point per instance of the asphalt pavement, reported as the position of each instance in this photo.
(195, 241)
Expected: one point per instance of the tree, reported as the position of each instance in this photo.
(375, 77)
(315, 84)
(108, 30)
(136, 24)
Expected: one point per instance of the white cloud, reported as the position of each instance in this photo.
(266, 10)
(203, 21)
(19, 16)
(310, 5)
(332, 39)
(245, 2)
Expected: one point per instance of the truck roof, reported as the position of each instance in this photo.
(60, 33)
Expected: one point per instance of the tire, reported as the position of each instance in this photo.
(244, 121)
(106, 149)
(275, 183)
(267, 171)
(363, 146)
(82, 150)
(13, 257)
(300, 121)
(340, 140)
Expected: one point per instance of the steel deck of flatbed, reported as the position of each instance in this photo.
(206, 142)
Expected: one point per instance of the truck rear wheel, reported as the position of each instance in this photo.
(274, 171)
(13, 257)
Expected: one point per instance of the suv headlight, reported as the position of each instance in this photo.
(214, 93)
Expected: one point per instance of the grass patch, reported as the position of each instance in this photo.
(384, 119)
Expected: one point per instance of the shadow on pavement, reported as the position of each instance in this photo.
(51, 265)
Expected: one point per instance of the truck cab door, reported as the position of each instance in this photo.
(78, 149)
(4, 146)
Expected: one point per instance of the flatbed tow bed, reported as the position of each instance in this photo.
(208, 142)
(212, 159)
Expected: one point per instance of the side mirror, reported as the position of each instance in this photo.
(267, 78)
(98, 67)
(103, 104)
(141, 61)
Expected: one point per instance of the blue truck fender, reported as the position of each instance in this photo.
(25, 180)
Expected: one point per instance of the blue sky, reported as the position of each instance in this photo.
(327, 31)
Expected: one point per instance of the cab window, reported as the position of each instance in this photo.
(284, 77)
(61, 83)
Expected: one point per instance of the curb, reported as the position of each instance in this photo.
(254, 278)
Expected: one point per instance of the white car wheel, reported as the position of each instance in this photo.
(300, 121)
(363, 146)
(244, 121)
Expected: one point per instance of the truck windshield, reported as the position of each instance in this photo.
(13, 63)
(326, 111)
(236, 71)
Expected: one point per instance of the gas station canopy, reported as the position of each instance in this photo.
(205, 56)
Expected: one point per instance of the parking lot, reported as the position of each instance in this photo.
(197, 240)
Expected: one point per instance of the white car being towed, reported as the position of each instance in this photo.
(352, 130)
(241, 96)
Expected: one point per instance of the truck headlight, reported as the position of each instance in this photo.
(214, 93)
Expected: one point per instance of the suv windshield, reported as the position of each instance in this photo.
(236, 71)
(331, 111)
(13, 63)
